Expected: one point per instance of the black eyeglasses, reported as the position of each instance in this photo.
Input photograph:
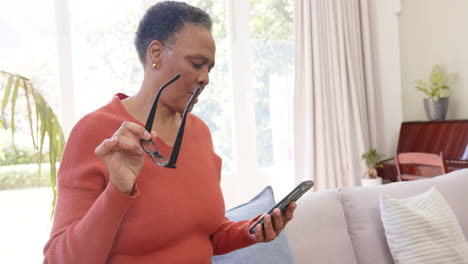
(149, 146)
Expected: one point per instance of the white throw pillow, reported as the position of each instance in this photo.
(422, 229)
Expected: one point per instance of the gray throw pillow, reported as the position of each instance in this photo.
(276, 251)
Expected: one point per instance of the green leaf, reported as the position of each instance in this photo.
(437, 83)
(424, 90)
(52, 151)
(27, 93)
(372, 158)
(6, 95)
(436, 78)
(436, 75)
(13, 104)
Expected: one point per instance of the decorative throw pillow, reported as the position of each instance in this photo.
(423, 229)
(276, 251)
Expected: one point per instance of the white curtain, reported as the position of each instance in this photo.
(334, 98)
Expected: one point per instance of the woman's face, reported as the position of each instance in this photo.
(192, 54)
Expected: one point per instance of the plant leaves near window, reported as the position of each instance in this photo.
(43, 123)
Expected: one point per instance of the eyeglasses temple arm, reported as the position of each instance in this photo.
(152, 113)
(180, 133)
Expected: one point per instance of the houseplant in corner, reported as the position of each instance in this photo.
(372, 159)
(44, 127)
(437, 92)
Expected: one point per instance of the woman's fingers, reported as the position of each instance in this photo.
(134, 129)
(153, 136)
(274, 224)
(130, 144)
(288, 215)
(127, 138)
(278, 221)
(269, 231)
(259, 233)
(117, 143)
(106, 146)
(123, 155)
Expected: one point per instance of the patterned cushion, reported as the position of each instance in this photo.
(423, 229)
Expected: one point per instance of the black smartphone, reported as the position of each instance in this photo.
(294, 195)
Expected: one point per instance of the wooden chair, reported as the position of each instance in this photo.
(418, 165)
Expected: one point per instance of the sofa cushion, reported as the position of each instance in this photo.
(276, 251)
(318, 232)
(422, 229)
(361, 207)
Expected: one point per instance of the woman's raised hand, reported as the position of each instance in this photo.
(123, 155)
(273, 224)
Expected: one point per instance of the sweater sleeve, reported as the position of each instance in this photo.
(89, 208)
(232, 236)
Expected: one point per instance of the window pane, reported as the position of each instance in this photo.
(215, 106)
(28, 47)
(105, 62)
(104, 58)
(272, 42)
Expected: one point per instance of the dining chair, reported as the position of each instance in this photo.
(419, 165)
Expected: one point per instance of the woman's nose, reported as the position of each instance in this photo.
(204, 78)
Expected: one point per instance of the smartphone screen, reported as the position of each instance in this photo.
(294, 195)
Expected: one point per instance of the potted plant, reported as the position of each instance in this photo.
(44, 126)
(437, 92)
(372, 159)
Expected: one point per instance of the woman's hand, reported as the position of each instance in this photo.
(123, 155)
(271, 229)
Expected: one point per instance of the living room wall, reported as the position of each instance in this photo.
(386, 38)
(433, 32)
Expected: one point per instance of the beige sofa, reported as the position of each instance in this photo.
(344, 225)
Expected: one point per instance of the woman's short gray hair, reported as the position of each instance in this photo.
(163, 20)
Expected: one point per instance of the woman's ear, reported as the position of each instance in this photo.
(154, 53)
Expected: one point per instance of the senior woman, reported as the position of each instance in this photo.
(121, 199)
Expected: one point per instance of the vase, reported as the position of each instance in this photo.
(371, 182)
(436, 109)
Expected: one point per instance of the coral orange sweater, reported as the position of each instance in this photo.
(173, 215)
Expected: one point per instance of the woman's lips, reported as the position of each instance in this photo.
(194, 100)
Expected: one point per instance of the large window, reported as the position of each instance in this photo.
(216, 105)
(79, 53)
(272, 47)
(28, 47)
(248, 102)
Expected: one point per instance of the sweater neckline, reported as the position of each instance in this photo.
(117, 101)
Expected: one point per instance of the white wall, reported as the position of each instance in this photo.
(387, 56)
(434, 32)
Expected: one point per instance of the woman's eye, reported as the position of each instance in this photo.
(196, 65)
